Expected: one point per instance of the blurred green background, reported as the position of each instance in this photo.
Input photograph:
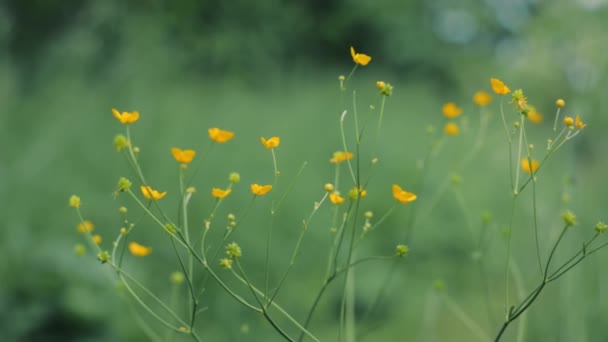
(263, 68)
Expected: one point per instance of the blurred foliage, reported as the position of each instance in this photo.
(271, 67)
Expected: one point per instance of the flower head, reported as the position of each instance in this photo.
(183, 156)
(126, 118)
(150, 193)
(341, 156)
(359, 58)
(85, 226)
(560, 103)
(386, 89)
(120, 142)
(74, 201)
(481, 98)
(403, 196)
(233, 250)
(579, 123)
(271, 142)
(226, 263)
(139, 250)
(401, 250)
(520, 101)
(451, 110)
(569, 218)
(499, 87)
(335, 198)
(568, 121)
(601, 227)
(528, 166)
(451, 128)
(234, 177)
(355, 193)
(260, 190)
(97, 239)
(534, 116)
(220, 136)
(219, 193)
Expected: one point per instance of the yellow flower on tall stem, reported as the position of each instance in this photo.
(139, 250)
(451, 128)
(403, 196)
(528, 166)
(260, 190)
(183, 156)
(579, 123)
(341, 156)
(85, 226)
(481, 98)
(534, 116)
(499, 87)
(219, 135)
(271, 142)
(126, 118)
(360, 58)
(220, 193)
(335, 198)
(451, 110)
(150, 193)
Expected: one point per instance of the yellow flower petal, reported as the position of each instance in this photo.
(528, 167)
(451, 110)
(183, 156)
(579, 123)
(499, 87)
(126, 118)
(260, 190)
(335, 198)
(403, 196)
(219, 193)
(150, 193)
(360, 58)
(534, 116)
(271, 142)
(139, 250)
(219, 135)
(85, 226)
(451, 129)
(97, 239)
(341, 156)
(481, 98)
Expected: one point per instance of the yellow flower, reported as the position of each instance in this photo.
(270, 143)
(126, 118)
(139, 250)
(450, 110)
(85, 226)
(340, 156)
(360, 58)
(150, 193)
(579, 123)
(481, 98)
(260, 190)
(354, 193)
(403, 196)
(528, 167)
(226, 263)
(97, 239)
(335, 198)
(183, 156)
(219, 193)
(560, 103)
(451, 129)
(568, 121)
(219, 135)
(520, 101)
(385, 88)
(499, 87)
(534, 116)
(75, 201)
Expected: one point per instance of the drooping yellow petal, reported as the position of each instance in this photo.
(219, 135)
(150, 193)
(220, 193)
(183, 156)
(403, 196)
(499, 87)
(335, 198)
(579, 123)
(139, 250)
(360, 58)
(271, 143)
(534, 116)
(260, 190)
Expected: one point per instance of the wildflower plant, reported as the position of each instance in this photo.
(201, 263)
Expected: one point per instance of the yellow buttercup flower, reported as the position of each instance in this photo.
(85, 226)
(568, 121)
(271, 142)
(354, 193)
(75, 201)
(579, 123)
(126, 118)
(341, 156)
(560, 103)
(183, 156)
(481, 98)
(534, 116)
(499, 87)
(219, 193)
(97, 239)
(451, 129)
(219, 135)
(260, 190)
(150, 193)
(451, 110)
(335, 198)
(359, 58)
(139, 250)
(528, 167)
(403, 196)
